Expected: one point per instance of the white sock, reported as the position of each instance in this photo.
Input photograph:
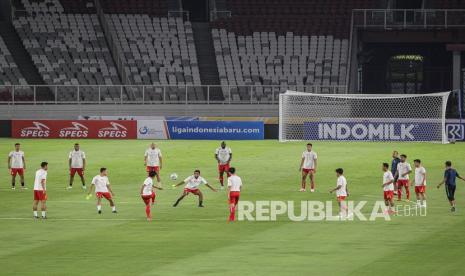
(424, 203)
(35, 214)
(43, 214)
(113, 208)
(99, 207)
(418, 202)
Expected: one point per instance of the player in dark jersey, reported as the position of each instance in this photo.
(394, 162)
(450, 175)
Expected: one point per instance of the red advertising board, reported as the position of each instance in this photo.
(77, 129)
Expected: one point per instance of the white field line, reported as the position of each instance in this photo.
(103, 219)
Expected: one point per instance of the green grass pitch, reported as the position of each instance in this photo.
(188, 240)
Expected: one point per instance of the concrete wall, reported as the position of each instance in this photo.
(73, 111)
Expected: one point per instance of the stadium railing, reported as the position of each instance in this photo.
(154, 94)
(408, 18)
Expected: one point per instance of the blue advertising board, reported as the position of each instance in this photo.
(372, 131)
(216, 130)
(455, 130)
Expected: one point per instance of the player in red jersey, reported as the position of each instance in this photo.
(17, 165)
(147, 193)
(234, 192)
(223, 155)
(40, 190)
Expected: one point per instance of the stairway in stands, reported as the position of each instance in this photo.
(19, 53)
(206, 58)
(23, 59)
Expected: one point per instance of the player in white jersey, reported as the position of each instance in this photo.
(308, 167)
(420, 183)
(388, 188)
(40, 190)
(17, 165)
(223, 155)
(102, 189)
(193, 183)
(147, 193)
(77, 164)
(153, 160)
(341, 193)
(234, 192)
(402, 175)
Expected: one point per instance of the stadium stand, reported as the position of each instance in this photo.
(68, 49)
(263, 48)
(318, 17)
(73, 45)
(157, 51)
(289, 44)
(67, 45)
(280, 60)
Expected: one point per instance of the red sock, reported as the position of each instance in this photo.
(232, 213)
(407, 192)
(399, 193)
(147, 210)
(221, 180)
(312, 186)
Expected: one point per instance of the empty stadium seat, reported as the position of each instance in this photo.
(157, 51)
(68, 50)
(283, 44)
(278, 62)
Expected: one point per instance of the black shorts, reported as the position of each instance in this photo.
(450, 192)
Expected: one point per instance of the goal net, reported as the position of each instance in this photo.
(362, 117)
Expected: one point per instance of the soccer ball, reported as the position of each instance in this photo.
(174, 176)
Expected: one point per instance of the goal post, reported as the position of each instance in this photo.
(362, 117)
